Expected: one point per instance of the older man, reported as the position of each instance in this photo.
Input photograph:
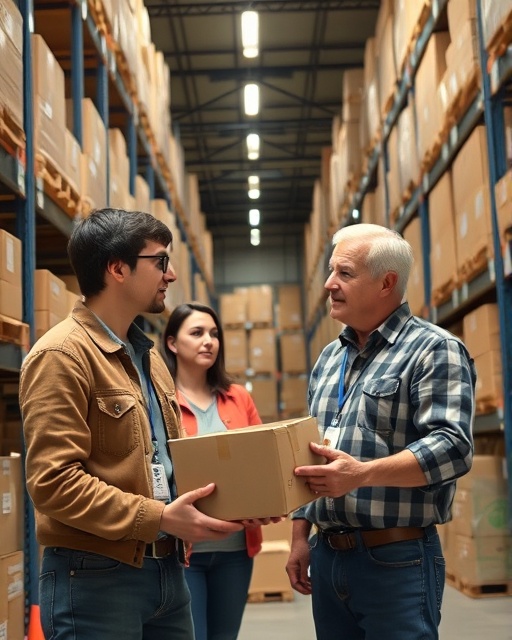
(394, 396)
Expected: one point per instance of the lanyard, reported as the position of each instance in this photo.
(149, 404)
(342, 392)
(342, 395)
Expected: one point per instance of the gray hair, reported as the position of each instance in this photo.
(387, 250)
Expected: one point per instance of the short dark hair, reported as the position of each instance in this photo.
(107, 235)
(216, 376)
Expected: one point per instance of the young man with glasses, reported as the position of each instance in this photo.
(98, 407)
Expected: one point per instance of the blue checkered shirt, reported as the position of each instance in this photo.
(411, 387)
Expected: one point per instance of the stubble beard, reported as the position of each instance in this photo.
(156, 307)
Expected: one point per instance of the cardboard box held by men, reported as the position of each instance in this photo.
(253, 468)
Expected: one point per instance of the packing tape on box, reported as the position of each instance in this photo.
(294, 441)
(223, 451)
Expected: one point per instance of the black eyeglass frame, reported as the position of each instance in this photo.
(163, 260)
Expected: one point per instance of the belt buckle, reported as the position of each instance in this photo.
(346, 538)
(153, 553)
(349, 540)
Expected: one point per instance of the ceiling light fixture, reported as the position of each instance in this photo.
(250, 34)
(255, 237)
(253, 146)
(251, 99)
(254, 217)
(254, 187)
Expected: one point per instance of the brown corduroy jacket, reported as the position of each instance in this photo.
(88, 440)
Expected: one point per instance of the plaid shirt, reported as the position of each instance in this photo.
(411, 387)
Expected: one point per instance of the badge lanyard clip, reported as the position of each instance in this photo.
(331, 433)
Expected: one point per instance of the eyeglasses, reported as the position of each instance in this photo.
(163, 261)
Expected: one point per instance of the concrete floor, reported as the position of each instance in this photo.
(463, 618)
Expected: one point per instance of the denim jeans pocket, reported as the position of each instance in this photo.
(398, 554)
(84, 563)
(46, 602)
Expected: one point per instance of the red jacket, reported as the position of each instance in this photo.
(236, 410)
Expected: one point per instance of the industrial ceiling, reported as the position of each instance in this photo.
(304, 48)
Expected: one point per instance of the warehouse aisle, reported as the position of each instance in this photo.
(463, 617)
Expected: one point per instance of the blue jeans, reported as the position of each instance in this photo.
(85, 596)
(391, 591)
(218, 584)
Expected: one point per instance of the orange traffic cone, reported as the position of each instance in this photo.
(35, 632)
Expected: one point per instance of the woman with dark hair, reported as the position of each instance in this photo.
(219, 573)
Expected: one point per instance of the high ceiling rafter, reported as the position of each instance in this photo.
(160, 9)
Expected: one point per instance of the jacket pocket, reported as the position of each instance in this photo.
(118, 423)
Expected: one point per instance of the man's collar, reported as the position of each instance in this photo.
(389, 330)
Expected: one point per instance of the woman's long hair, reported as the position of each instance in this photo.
(216, 376)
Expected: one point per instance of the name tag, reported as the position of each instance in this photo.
(160, 484)
(331, 435)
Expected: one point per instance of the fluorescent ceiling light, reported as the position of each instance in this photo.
(253, 146)
(251, 99)
(254, 187)
(355, 214)
(255, 237)
(250, 34)
(254, 217)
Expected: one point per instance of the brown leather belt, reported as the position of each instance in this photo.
(375, 538)
(161, 548)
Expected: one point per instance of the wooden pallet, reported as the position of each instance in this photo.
(444, 292)
(475, 265)
(234, 326)
(394, 214)
(294, 374)
(86, 206)
(488, 405)
(270, 596)
(145, 123)
(163, 166)
(125, 72)
(464, 97)
(369, 149)
(488, 590)
(101, 21)
(387, 103)
(57, 186)
(432, 153)
(408, 190)
(500, 40)
(416, 32)
(12, 136)
(15, 332)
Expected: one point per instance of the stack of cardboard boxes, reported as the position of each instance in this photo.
(477, 544)
(293, 364)
(11, 68)
(269, 578)
(10, 276)
(12, 590)
(481, 332)
(260, 351)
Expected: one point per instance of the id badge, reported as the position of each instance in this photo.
(331, 435)
(160, 484)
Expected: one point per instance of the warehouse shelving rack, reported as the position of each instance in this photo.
(28, 213)
(486, 107)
